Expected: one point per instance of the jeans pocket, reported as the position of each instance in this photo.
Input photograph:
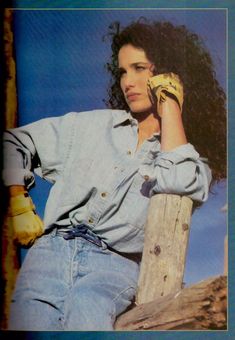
(124, 299)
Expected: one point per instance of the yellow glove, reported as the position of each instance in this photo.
(165, 83)
(27, 225)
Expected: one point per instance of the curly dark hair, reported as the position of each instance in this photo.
(175, 49)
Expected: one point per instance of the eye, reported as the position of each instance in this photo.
(140, 68)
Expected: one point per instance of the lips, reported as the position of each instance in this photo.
(132, 96)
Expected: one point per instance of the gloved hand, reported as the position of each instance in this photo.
(27, 225)
(167, 83)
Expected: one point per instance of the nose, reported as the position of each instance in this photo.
(128, 81)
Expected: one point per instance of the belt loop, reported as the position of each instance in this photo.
(104, 245)
(54, 232)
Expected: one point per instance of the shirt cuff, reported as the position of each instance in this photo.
(177, 155)
(18, 177)
(149, 168)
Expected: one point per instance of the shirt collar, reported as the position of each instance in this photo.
(120, 116)
(156, 135)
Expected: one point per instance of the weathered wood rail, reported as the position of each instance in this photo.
(202, 306)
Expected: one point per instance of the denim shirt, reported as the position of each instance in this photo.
(100, 177)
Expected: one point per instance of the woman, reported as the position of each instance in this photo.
(83, 268)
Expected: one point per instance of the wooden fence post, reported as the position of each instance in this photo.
(9, 252)
(165, 246)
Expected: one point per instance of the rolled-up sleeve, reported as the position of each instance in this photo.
(180, 171)
(37, 147)
(19, 152)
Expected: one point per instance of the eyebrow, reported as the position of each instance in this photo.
(137, 63)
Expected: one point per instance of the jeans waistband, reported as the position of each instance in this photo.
(80, 230)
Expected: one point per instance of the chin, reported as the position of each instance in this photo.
(140, 108)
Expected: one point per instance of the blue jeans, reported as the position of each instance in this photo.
(71, 284)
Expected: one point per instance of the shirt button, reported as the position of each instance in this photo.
(103, 194)
(129, 152)
(90, 220)
(146, 177)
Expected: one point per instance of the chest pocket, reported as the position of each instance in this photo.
(135, 204)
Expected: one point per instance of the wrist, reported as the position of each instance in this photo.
(168, 108)
(20, 204)
(15, 190)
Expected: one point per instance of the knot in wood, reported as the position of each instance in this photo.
(185, 226)
(157, 250)
(145, 325)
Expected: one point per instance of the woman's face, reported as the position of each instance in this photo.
(135, 70)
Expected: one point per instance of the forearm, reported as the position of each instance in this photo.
(168, 90)
(172, 129)
(39, 146)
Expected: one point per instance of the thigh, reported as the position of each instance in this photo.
(41, 286)
(104, 291)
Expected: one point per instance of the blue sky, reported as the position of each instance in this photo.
(60, 68)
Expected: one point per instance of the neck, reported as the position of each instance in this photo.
(148, 125)
(148, 122)
(142, 116)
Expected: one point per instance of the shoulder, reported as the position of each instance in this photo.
(94, 116)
